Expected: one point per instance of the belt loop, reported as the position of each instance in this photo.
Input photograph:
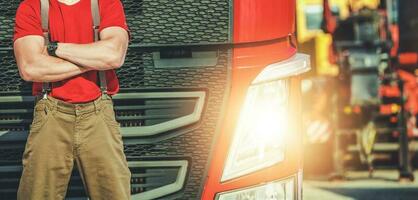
(104, 96)
(50, 104)
(54, 105)
(96, 106)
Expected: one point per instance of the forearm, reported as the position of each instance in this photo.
(101, 55)
(108, 53)
(50, 69)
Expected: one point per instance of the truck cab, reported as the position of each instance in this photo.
(209, 102)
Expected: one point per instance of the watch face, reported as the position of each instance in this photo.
(52, 47)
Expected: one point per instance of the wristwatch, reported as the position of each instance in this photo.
(51, 48)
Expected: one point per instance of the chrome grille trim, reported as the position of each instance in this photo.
(164, 190)
(142, 131)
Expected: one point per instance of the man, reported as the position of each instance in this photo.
(74, 122)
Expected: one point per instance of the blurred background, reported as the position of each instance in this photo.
(361, 98)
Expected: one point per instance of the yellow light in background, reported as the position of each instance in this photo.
(395, 108)
(347, 110)
(359, 4)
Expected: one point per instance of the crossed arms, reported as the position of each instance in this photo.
(36, 65)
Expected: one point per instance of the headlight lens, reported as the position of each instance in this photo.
(279, 190)
(259, 137)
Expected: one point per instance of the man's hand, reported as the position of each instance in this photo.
(108, 53)
(36, 65)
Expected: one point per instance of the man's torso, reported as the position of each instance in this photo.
(70, 21)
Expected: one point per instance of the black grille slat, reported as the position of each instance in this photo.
(10, 156)
(144, 179)
(16, 111)
(12, 175)
(129, 108)
(133, 118)
(14, 122)
(146, 185)
(146, 112)
(148, 175)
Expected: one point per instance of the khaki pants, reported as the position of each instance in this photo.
(62, 134)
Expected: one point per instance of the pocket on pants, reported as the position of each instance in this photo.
(40, 116)
(109, 117)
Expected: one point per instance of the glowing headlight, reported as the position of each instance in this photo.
(279, 190)
(259, 139)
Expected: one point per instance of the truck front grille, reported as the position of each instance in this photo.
(155, 26)
(151, 106)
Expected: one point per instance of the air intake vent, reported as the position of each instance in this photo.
(9, 181)
(16, 114)
(10, 155)
(155, 179)
(140, 113)
(147, 114)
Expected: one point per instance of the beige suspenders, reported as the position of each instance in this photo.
(96, 24)
(45, 29)
(46, 87)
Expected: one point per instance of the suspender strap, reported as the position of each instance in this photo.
(45, 29)
(96, 23)
(96, 18)
(45, 19)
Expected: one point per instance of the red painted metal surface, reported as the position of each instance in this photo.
(389, 91)
(410, 90)
(394, 29)
(261, 22)
(408, 58)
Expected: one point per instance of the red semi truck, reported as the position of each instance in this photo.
(209, 101)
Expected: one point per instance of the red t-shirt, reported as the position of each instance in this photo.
(71, 24)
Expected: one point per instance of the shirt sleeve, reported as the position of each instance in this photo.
(27, 21)
(112, 14)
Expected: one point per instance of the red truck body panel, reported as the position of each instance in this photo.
(264, 27)
(256, 20)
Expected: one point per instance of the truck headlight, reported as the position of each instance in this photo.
(278, 190)
(260, 135)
